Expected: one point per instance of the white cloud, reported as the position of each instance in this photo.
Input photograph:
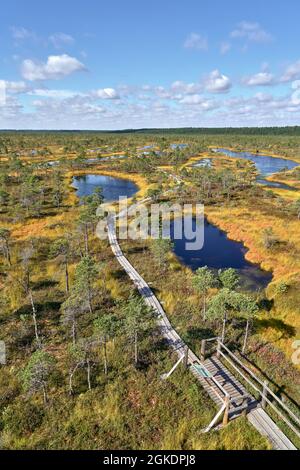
(20, 33)
(161, 92)
(175, 105)
(295, 98)
(296, 85)
(225, 47)
(56, 67)
(61, 39)
(11, 108)
(74, 106)
(15, 87)
(291, 73)
(192, 99)
(83, 112)
(263, 106)
(252, 32)
(263, 97)
(107, 94)
(186, 88)
(217, 82)
(259, 79)
(44, 92)
(199, 101)
(196, 41)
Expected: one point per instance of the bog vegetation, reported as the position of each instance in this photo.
(84, 356)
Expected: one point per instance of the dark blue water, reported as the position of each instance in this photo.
(265, 164)
(276, 184)
(219, 252)
(112, 187)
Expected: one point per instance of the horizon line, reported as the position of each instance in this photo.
(296, 126)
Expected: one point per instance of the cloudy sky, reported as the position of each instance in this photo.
(90, 64)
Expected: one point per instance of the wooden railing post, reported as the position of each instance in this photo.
(264, 395)
(203, 347)
(245, 410)
(186, 357)
(218, 348)
(226, 411)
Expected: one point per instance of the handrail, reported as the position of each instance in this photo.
(211, 339)
(262, 393)
(236, 368)
(291, 426)
(292, 415)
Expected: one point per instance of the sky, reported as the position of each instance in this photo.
(161, 63)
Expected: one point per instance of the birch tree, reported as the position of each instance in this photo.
(4, 244)
(105, 328)
(248, 309)
(86, 274)
(138, 319)
(37, 373)
(60, 250)
(203, 280)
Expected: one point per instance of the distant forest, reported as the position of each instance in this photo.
(259, 131)
(292, 131)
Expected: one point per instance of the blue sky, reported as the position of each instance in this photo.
(129, 64)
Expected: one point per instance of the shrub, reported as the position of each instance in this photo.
(22, 418)
(269, 238)
(282, 288)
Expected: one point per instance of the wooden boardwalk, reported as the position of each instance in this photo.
(214, 377)
(266, 426)
(233, 387)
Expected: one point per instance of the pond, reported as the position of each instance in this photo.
(276, 184)
(203, 163)
(146, 147)
(265, 164)
(105, 159)
(219, 252)
(112, 187)
(178, 146)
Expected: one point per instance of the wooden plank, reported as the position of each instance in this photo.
(266, 426)
(231, 385)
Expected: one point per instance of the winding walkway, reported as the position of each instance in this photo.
(213, 376)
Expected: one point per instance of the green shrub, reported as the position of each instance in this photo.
(22, 418)
(282, 288)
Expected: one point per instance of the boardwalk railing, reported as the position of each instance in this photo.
(264, 393)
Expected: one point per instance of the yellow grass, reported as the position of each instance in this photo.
(247, 226)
